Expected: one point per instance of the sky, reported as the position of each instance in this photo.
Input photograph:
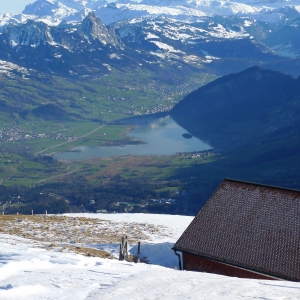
(13, 6)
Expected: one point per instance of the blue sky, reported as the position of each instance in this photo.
(16, 6)
(13, 6)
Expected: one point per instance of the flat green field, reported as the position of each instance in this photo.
(19, 170)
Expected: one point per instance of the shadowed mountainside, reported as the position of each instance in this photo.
(240, 107)
(252, 119)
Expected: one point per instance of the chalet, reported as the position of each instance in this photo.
(245, 230)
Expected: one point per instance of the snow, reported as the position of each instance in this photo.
(163, 31)
(54, 12)
(107, 66)
(28, 271)
(209, 59)
(165, 47)
(115, 56)
(8, 67)
(220, 32)
(247, 23)
(151, 36)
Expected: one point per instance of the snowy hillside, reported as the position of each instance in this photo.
(32, 270)
(154, 43)
(10, 69)
(147, 33)
(53, 12)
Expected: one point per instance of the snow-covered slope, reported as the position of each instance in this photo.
(194, 43)
(11, 69)
(55, 11)
(41, 47)
(28, 271)
(5, 18)
(161, 34)
(35, 34)
(152, 42)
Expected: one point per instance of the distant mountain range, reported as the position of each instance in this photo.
(53, 12)
(91, 38)
(169, 38)
(218, 45)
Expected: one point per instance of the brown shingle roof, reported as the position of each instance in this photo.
(249, 225)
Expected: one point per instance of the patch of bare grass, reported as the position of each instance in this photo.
(72, 233)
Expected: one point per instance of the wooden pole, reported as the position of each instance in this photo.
(126, 248)
(123, 249)
(120, 253)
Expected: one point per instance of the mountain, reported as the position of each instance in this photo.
(72, 37)
(53, 12)
(218, 45)
(200, 43)
(90, 47)
(241, 108)
(285, 41)
(252, 119)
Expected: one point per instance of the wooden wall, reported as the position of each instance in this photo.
(193, 262)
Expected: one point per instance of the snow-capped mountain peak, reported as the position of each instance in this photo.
(30, 34)
(55, 11)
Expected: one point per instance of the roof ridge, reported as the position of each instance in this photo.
(261, 185)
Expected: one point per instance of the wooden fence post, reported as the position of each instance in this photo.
(120, 253)
(126, 249)
(138, 260)
(123, 249)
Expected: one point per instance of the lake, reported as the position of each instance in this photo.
(163, 136)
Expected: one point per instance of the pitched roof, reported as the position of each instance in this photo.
(249, 225)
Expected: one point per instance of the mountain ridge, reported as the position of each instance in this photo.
(153, 37)
(156, 43)
(54, 12)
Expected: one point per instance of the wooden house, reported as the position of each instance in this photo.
(245, 230)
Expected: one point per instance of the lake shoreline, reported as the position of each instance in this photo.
(147, 136)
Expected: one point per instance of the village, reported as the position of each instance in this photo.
(195, 154)
(18, 134)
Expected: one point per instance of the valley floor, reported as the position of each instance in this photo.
(29, 270)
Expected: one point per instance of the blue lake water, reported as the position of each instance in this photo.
(163, 136)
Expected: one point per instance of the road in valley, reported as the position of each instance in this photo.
(64, 143)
